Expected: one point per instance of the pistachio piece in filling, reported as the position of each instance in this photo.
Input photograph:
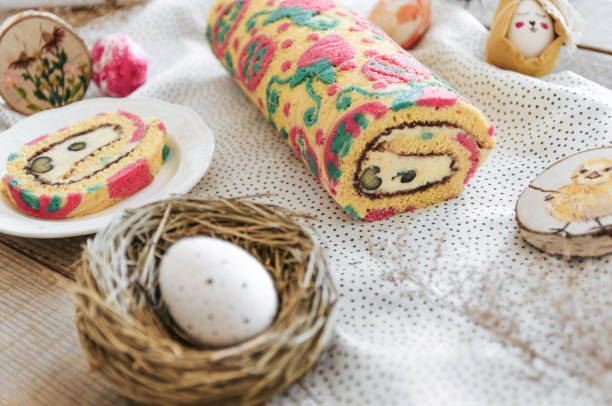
(407, 176)
(403, 173)
(369, 179)
(77, 146)
(42, 164)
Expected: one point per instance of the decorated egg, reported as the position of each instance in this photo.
(527, 35)
(217, 292)
(531, 29)
(403, 20)
(120, 65)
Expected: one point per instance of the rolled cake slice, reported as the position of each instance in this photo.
(378, 130)
(86, 167)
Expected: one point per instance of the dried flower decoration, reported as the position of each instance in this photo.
(572, 296)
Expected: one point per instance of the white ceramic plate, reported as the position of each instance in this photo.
(191, 147)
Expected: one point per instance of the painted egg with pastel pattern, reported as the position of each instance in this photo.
(120, 65)
(405, 21)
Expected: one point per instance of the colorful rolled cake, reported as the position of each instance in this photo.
(377, 129)
(86, 167)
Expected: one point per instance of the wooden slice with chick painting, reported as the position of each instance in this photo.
(567, 209)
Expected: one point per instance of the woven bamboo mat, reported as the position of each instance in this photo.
(41, 362)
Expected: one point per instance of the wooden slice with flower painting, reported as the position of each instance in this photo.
(43, 62)
(567, 209)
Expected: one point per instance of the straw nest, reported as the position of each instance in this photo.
(128, 336)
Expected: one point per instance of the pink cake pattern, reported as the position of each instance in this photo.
(397, 78)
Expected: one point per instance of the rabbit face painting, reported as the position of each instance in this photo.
(531, 29)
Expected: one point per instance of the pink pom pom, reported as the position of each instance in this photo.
(120, 65)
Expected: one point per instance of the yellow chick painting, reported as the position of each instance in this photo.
(587, 198)
(567, 209)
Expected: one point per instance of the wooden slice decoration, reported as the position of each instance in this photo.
(567, 209)
(43, 62)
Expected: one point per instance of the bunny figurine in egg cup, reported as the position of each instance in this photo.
(527, 35)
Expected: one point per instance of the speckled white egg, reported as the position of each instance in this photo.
(216, 292)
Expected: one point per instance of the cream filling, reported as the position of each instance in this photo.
(388, 169)
(92, 165)
(63, 161)
(399, 173)
(425, 133)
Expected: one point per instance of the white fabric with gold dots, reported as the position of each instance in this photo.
(446, 305)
